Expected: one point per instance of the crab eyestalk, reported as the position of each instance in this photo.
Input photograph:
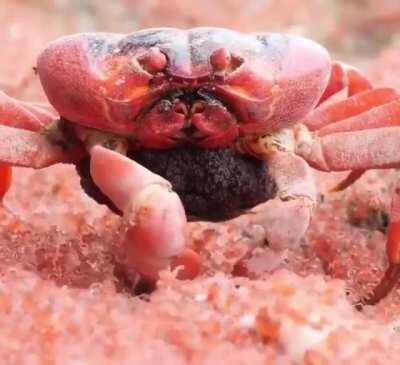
(153, 60)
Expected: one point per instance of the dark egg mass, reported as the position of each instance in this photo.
(213, 184)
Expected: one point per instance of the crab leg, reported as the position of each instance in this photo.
(360, 150)
(287, 217)
(357, 150)
(156, 219)
(361, 98)
(372, 109)
(350, 179)
(344, 76)
(25, 137)
(19, 114)
(19, 147)
(392, 274)
(350, 107)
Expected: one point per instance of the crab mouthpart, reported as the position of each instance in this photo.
(187, 117)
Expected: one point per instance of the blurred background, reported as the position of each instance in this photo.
(363, 32)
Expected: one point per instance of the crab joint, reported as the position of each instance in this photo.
(60, 133)
(263, 146)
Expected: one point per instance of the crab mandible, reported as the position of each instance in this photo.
(253, 99)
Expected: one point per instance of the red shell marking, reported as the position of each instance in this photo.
(116, 82)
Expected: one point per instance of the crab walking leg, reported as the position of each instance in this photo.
(392, 274)
(20, 147)
(350, 179)
(24, 115)
(384, 115)
(155, 216)
(287, 217)
(350, 107)
(366, 149)
(28, 116)
(357, 150)
(344, 76)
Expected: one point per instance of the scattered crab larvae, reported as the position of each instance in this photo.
(166, 125)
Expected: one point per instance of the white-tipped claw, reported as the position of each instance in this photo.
(156, 219)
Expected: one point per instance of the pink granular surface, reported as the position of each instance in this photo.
(62, 297)
(62, 301)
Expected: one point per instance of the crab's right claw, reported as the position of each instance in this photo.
(156, 234)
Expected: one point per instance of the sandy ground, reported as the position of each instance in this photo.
(62, 298)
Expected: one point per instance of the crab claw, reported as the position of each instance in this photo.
(156, 219)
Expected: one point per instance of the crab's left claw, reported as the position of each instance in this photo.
(156, 219)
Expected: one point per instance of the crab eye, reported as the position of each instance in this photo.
(153, 61)
(222, 61)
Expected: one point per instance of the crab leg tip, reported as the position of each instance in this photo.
(350, 179)
(392, 274)
(388, 282)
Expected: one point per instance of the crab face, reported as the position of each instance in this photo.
(167, 87)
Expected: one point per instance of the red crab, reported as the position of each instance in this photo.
(230, 119)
